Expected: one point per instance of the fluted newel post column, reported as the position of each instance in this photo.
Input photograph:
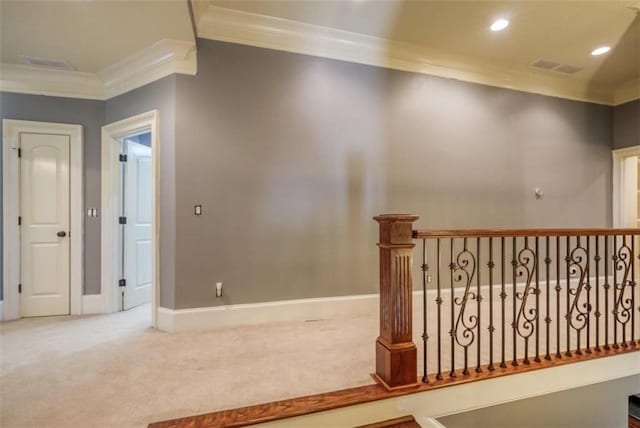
(396, 362)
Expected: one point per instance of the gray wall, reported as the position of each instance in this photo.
(89, 114)
(600, 405)
(158, 95)
(291, 156)
(92, 115)
(626, 125)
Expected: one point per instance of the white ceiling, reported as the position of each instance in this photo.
(562, 31)
(89, 35)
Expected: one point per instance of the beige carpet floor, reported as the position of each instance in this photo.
(115, 371)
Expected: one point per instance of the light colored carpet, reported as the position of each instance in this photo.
(115, 371)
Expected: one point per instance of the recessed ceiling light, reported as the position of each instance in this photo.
(499, 25)
(600, 51)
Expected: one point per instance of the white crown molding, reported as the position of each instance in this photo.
(40, 81)
(627, 92)
(145, 66)
(152, 63)
(235, 26)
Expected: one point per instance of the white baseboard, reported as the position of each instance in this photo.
(217, 317)
(93, 304)
(176, 320)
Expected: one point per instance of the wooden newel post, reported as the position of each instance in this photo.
(396, 362)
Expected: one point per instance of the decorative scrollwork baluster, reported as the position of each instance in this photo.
(578, 314)
(524, 324)
(463, 331)
(623, 307)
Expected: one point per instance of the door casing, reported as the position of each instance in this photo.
(110, 245)
(11, 210)
(619, 202)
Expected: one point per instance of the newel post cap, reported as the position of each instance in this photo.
(396, 218)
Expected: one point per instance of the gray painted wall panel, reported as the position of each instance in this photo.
(292, 155)
(626, 125)
(89, 114)
(158, 95)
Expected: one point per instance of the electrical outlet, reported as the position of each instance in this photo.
(218, 289)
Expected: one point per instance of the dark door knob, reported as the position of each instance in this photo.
(62, 234)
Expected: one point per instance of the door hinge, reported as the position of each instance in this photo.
(122, 283)
(19, 152)
(19, 288)
(122, 220)
(122, 157)
(19, 220)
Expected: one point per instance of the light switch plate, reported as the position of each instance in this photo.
(197, 209)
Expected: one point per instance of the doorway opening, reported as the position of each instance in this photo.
(626, 187)
(136, 214)
(130, 226)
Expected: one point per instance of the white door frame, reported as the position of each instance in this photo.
(11, 207)
(618, 182)
(111, 135)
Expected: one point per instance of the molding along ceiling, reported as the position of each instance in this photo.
(238, 26)
(152, 63)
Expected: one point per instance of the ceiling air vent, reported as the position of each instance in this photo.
(47, 63)
(545, 64)
(567, 69)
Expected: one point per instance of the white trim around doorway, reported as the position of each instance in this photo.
(111, 135)
(11, 210)
(618, 199)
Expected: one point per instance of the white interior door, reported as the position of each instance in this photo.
(138, 210)
(44, 189)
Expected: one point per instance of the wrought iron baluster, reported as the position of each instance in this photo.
(577, 314)
(464, 269)
(526, 320)
(623, 309)
(614, 257)
(606, 287)
(452, 266)
(588, 288)
(425, 336)
(514, 264)
(597, 313)
(478, 301)
(439, 303)
(537, 269)
(558, 289)
(491, 265)
(503, 297)
(568, 260)
(633, 294)
(547, 320)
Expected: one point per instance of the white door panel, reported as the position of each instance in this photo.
(138, 210)
(44, 183)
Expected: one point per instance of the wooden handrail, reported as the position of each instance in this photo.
(489, 233)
